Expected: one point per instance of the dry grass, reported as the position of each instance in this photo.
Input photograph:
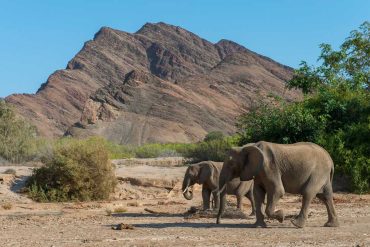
(10, 171)
(7, 206)
(133, 204)
(117, 210)
(120, 210)
(164, 203)
(108, 211)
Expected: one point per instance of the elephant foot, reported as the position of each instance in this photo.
(299, 222)
(332, 223)
(218, 221)
(280, 216)
(259, 224)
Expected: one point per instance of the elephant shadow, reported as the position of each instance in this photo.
(187, 225)
(143, 215)
(197, 225)
(191, 225)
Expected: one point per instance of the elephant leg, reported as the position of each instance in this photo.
(259, 197)
(239, 202)
(206, 195)
(327, 198)
(300, 220)
(272, 199)
(216, 198)
(250, 196)
(222, 197)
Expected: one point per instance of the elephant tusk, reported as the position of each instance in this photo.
(185, 190)
(221, 190)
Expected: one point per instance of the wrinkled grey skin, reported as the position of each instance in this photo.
(207, 173)
(302, 168)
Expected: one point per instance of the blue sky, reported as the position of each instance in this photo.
(39, 37)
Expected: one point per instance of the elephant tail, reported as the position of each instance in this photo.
(331, 174)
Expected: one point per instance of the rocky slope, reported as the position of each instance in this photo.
(160, 84)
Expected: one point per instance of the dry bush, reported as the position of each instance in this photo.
(7, 206)
(77, 170)
(133, 204)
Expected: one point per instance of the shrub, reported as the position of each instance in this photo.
(77, 170)
(17, 136)
(154, 150)
(214, 135)
(284, 124)
(7, 206)
(149, 150)
(117, 151)
(214, 150)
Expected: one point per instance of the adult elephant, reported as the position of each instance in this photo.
(207, 174)
(301, 168)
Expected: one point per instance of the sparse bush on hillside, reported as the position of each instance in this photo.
(76, 170)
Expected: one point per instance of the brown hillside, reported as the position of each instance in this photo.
(160, 84)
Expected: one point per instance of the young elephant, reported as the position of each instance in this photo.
(301, 168)
(207, 173)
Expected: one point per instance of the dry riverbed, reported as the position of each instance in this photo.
(151, 203)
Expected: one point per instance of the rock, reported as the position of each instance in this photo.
(6, 179)
(122, 226)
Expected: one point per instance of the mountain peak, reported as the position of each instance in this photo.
(103, 31)
(159, 84)
(227, 47)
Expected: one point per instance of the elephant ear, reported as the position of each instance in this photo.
(253, 162)
(206, 172)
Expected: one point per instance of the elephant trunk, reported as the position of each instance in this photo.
(224, 178)
(188, 194)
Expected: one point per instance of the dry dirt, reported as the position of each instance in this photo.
(151, 211)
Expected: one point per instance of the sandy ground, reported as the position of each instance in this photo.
(90, 224)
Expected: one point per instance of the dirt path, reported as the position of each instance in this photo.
(89, 224)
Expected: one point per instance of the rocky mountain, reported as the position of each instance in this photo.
(160, 84)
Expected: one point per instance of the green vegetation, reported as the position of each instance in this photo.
(213, 147)
(76, 170)
(335, 112)
(214, 150)
(17, 137)
(214, 135)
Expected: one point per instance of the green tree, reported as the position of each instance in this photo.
(335, 112)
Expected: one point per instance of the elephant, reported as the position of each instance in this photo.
(207, 173)
(301, 168)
